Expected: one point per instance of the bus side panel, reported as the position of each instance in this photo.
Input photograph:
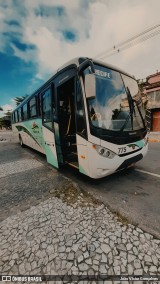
(31, 133)
(82, 155)
(50, 147)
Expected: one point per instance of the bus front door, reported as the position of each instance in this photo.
(66, 127)
(48, 127)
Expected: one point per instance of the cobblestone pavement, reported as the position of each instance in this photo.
(59, 238)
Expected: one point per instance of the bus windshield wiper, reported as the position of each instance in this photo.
(140, 113)
(131, 108)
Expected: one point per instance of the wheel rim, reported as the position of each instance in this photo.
(21, 142)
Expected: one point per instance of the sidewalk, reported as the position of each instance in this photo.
(79, 239)
(154, 137)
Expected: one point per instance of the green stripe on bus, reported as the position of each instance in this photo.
(24, 129)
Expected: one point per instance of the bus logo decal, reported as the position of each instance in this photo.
(34, 125)
(133, 146)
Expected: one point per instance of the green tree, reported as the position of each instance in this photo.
(5, 121)
(8, 113)
(18, 100)
(1, 124)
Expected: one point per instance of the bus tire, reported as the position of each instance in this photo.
(21, 141)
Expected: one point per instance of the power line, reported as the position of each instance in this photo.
(113, 49)
(134, 40)
(130, 39)
(131, 44)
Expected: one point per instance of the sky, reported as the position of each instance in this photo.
(38, 36)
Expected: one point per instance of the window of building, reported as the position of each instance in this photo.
(157, 95)
(33, 107)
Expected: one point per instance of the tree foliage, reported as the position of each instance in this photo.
(5, 121)
(8, 113)
(19, 100)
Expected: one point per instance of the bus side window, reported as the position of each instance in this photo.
(47, 114)
(33, 107)
(25, 112)
(16, 116)
(39, 104)
(53, 100)
(13, 117)
(20, 114)
(80, 112)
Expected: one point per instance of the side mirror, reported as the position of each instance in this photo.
(90, 86)
(87, 63)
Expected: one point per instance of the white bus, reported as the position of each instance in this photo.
(88, 115)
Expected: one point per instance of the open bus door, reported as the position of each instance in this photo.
(48, 126)
(70, 125)
(81, 121)
(64, 125)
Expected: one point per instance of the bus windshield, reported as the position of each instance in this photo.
(117, 104)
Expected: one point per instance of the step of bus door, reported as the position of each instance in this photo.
(73, 164)
(68, 144)
(71, 157)
(71, 138)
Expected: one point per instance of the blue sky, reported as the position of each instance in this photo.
(38, 36)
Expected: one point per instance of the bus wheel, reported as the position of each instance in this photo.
(21, 141)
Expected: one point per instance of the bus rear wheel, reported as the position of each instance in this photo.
(21, 141)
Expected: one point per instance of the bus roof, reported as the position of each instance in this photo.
(74, 62)
(78, 60)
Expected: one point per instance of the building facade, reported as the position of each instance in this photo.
(151, 91)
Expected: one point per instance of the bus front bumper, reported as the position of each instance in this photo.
(104, 166)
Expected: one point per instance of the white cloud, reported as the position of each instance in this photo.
(26, 55)
(130, 18)
(7, 107)
(98, 25)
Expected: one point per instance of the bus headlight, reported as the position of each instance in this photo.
(104, 152)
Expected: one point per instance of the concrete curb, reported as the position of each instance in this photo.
(153, 140)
